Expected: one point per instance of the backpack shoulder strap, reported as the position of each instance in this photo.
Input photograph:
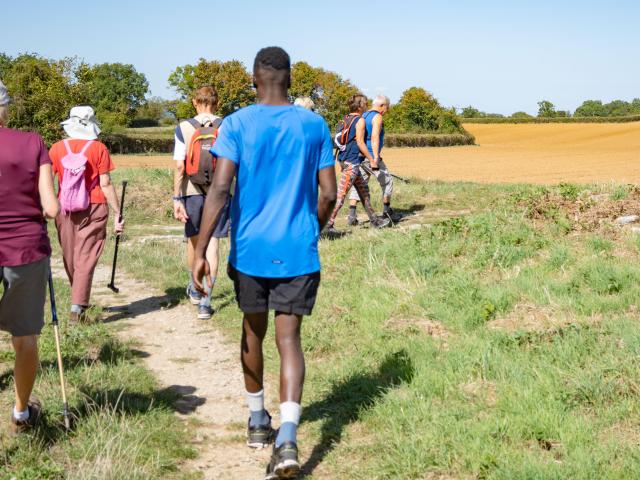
(86, 147)
(195, 123)
(353, 120)
(216, 123)
(67, 146)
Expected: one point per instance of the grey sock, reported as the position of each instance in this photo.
(259, 418)
(206, 299)
(286, 433)
(353, 212)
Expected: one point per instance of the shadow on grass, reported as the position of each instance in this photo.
(172, 298)
(177, 398)
(410, 211)
(335, 235)
(349, 399)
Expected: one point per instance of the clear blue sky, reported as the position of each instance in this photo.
(497, 55)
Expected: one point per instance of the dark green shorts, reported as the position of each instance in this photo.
(22, 302)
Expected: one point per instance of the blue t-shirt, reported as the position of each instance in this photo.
(278, 151)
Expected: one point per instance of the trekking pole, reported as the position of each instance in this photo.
(370, 172)
(112, 285)
(56, 333)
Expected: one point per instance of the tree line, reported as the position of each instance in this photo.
(43, 90)
(546, 109)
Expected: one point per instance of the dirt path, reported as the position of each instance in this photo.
(189, 356)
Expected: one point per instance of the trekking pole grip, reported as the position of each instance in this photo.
(124, 188)
(52, 297)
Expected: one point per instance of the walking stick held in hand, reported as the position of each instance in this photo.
(112, 285)
(367, 169)
(56, 333)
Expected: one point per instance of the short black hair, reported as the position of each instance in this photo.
(272, 57)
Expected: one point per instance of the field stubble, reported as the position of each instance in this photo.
(508, 153)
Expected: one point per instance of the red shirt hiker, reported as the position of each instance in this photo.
(98, 163)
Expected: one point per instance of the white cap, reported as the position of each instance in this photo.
(4, 96)
(82, 124)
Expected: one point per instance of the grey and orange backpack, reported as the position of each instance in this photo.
(200, 162)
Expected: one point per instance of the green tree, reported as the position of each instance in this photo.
(521, 115)
(115, 90)
(153, 112)
(5, 65)
(618, 108)
(546, 109)
(591, 108)
(328, 90)
(231, 79)
(43, 91)
(471, 112)
(418, 111)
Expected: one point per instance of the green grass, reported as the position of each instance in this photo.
(475, 401)
(491, 340)
(124, 427)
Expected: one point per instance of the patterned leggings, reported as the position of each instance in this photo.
(352, 176)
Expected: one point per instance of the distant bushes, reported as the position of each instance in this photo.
(428, 139)
(630, 118)
(127, 144)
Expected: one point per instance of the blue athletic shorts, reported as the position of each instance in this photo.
(194, 204)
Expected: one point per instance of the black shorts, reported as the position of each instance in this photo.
(194, 205)
(295, 295)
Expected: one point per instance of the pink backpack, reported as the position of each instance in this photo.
(74, 194)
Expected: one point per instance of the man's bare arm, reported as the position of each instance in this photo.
(362, 145)
(328, 194)
(375, 140)
(216, 199)
(179, 211)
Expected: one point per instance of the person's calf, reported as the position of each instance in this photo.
(26, 367)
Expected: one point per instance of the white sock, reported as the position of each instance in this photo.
(255, 401)
(20, 416)
(290, 412)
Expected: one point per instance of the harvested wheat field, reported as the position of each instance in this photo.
(538, 153)
(530, 153)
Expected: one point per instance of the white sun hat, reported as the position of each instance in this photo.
(4, 96)
(82, 124)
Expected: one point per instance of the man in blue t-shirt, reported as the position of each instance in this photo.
(279, 154)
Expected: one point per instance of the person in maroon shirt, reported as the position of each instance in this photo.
(26, 190)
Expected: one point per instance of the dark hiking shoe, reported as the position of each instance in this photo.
(260, 436)
(381, 222)
(392, 215)
(284, 462)
(194, 295)
(35, 413)
(204, 312)
(329, 230)
(352, 221)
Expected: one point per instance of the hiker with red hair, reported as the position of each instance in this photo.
(82, 165)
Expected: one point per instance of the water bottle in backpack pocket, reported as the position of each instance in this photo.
(74, 192)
